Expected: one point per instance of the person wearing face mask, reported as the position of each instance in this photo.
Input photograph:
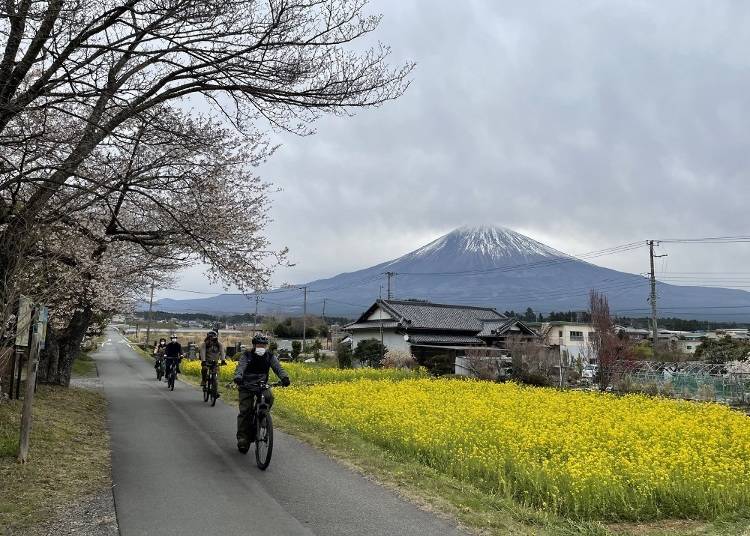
(251, 374)
(210, 350)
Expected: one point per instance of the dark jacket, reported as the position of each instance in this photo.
(253, 368)
(173, 349)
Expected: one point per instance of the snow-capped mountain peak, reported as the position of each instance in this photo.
(492, 243)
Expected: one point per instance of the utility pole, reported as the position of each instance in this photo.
(150, 314)
(390, 274)
(324, 310)
(381, 319)
(654, 327)
(255, 318)
(304, 319)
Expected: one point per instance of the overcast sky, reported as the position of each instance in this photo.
(583, 124)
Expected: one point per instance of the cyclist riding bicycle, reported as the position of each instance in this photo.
(173, 353)
(210, 350)
(159, 353)
(250, 375)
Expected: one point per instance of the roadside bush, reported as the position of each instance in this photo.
(296, 350)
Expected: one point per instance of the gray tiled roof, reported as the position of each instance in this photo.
(497, 327)
(372, 324)
(443, 339)
(425, 315)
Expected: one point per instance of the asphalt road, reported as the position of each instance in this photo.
(176, 470)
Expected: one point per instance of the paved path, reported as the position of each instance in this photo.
(176, 470)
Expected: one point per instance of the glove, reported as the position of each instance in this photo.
(223, 363)
(285, 382)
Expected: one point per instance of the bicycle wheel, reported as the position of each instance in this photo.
(214, 391)
(264, 442)
(158, 374)
(170, 383)
(205, 392)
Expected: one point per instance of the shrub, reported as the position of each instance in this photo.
(296, 350)
(399, 359)
(370, 352)
(344, 355)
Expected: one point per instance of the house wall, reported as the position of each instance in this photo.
(688, 346)
(391, 339)
(567, 337)
(379, 314)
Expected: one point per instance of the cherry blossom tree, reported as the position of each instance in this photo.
(81, 83)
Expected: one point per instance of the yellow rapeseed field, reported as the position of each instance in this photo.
(584, 455)
(305, 374)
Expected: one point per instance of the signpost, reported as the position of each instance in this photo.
(38, 335)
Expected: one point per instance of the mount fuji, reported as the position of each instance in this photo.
(488, 266)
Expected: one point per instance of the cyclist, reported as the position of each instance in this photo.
(173, 352)
(251, 373)
(159, 353)
(210, 350)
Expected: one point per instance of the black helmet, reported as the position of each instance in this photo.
(260, 339)
(212, 333)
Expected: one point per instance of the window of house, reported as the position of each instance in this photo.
(576, 335)
(689, 347)
(560, 334)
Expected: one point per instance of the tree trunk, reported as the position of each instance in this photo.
(49, 358)
(70, 345)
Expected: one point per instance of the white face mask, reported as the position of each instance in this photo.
(260, 351)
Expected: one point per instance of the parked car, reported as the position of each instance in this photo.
(589, 372)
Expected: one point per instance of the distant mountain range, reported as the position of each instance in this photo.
(488, 266)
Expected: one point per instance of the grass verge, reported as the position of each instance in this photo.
(69, 456)
(84, 366)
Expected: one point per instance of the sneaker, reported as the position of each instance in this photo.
(203, 383)
(243, 446)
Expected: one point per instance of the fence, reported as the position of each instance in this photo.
(728, 383)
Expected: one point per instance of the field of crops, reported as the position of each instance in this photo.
(305, 374)
(583, 455)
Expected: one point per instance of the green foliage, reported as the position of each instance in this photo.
(273, 346)
(344, 355)
(370, 352)
(722, 350)
(643, 350)
(296, 349)
(293, 328)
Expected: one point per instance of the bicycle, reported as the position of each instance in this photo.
(171, 373)
(159, 366)
(263, 428)
(263, 425)
(211, 388)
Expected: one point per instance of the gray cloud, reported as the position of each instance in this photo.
(582, 123)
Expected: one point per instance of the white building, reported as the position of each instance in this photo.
(573, 338)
